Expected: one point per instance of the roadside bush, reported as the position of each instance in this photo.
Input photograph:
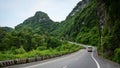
(21, 50)
(53, 42)
(40, 48)
(7, 56)
(117, 55)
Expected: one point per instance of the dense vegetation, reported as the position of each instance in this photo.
(81, 26)
(25, 44)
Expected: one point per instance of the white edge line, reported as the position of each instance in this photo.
(98, 66)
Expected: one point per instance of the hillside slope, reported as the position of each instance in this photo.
(39, 23)
(81, 25)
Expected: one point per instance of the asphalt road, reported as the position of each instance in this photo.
(80, 59)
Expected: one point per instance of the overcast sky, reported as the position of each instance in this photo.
(14, 12)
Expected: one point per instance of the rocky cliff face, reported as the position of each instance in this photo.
(109, 26)
(78, 7)
(101, 14)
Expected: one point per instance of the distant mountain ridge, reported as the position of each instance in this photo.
(7, 29)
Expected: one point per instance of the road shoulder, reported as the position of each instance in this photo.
(105, 63)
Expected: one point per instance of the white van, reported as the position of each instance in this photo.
(89, 48)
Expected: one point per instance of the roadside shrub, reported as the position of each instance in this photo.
(21, 50)
(117, 55)
(40, 48)
(53, 42)
(7, 56)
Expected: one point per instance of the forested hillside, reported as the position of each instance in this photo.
(81, 25)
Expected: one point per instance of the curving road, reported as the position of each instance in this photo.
(80, 59)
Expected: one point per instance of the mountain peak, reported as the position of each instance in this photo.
(40, 14)
(78, 7)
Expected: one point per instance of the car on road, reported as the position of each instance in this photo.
(89, 48)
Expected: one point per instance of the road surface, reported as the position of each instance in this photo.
(80, 59)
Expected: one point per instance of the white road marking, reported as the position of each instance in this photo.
(65, 66)
(98, 66)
